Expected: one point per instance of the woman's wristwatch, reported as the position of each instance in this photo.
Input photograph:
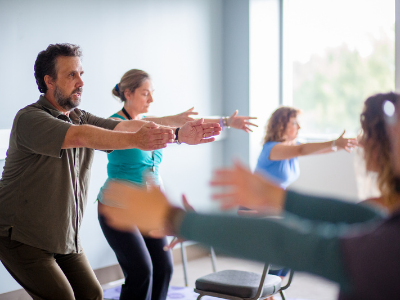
(176, 136)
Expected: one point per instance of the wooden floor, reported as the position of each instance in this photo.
(304, 286)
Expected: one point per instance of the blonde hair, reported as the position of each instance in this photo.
(376, 144)
(131, 80)
(277, 123)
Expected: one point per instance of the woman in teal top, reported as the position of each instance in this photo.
(145, 264)
(131, 164)
(147, 268)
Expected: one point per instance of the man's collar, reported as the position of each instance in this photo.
(46, 105)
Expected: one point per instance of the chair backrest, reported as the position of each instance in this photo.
(238, 285)
(261, 286)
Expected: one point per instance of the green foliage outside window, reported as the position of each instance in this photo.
(331, 89)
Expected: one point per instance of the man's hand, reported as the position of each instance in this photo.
(151, 137)
(247, 189)
(128, 206)
(198, 132)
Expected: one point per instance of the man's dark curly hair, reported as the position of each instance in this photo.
(45, 63)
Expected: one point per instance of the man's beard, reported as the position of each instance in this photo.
(67, 102)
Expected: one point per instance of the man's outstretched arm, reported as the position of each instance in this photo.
(148, 137)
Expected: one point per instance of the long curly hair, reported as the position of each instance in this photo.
(277, 123)
(376, 143)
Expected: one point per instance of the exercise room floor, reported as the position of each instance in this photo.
(303, 286)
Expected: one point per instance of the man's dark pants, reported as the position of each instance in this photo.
(50, 276)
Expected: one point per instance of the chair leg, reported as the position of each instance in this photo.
(282, 293)
(199, 297)
(184, 263)
(213, 260)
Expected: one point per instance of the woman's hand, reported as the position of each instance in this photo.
(180, 119)
(346, 144)
(247, 189)
(240, 122)
(198, 132)
(177, 240)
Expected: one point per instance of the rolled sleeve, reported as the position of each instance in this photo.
(40, 133)
(329, 210)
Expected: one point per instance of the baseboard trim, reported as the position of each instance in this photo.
(110, 274)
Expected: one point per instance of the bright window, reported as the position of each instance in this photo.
(335, 54)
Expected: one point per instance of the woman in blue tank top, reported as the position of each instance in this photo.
(278, 160)
(145, 264)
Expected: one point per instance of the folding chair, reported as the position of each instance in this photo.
(241, 285)
(184, 262)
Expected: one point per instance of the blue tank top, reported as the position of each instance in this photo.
(132, 165)
(282, 172)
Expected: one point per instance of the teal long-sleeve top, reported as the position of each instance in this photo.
(307, 238)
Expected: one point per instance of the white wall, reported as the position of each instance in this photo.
(177, 41)
(330, 174)
(264, 68)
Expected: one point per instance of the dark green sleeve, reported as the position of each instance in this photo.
(292, 242)
(329, 210)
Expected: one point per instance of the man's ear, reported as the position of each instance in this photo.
(49, 82)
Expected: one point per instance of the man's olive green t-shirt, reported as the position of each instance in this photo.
(43, 188)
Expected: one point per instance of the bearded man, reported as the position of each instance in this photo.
(46, 175)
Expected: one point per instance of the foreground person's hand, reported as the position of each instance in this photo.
(128, 206)
(243, 188)
(177, 240)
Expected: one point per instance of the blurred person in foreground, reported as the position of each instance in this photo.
(354, 245)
